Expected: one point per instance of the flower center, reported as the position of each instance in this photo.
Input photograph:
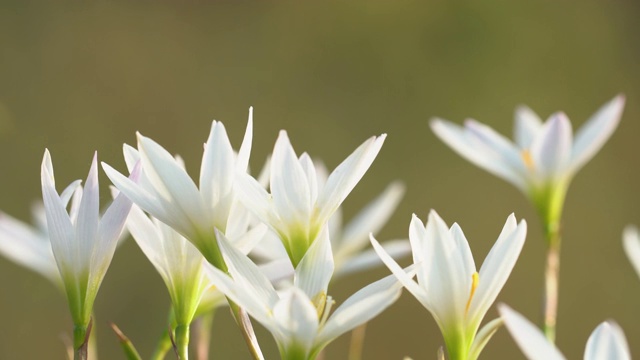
(475, 279)
(527, 159)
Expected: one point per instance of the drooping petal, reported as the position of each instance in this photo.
(361, 307)
(527, 125)
(551, 149)
(607, 342)
(346, 176)
(471, 146)
(528, 337)
(595, 132)
(631, 243)
(497, 266)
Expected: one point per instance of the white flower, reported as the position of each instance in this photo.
(298, 208)
(631, 244)
(544, 157)
(168, 193)
(450, 287)
(176, 259)
(299, 317)
(607, 341)
(83, 243)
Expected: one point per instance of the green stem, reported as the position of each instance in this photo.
(129, 349)
(551, 277)
(80, 339)
(182, 341)
(164, 344)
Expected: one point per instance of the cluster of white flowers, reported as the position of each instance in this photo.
(269, 247)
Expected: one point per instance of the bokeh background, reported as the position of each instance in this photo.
(82, 77)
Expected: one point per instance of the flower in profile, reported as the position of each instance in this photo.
(298, 207)
(299, 317)
(169, 194)
(83, 243)
(544, 157)
(606, 342)
(450, 287)
(631, 244)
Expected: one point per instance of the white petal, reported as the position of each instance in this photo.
(551, 150)
(246, 242)
(497, 267)
(498, 160)
(298, 319)
(346, 176)
(371, 219)
(88, 214)
(607, 342)
(465, 257)
(148, 239)
(61, 232)
(361, 307)
(528, 337)
(242, 161)
(217, 173)
(400, 274)
(483, 336)
(257, 200)
(417, 238)
(596, 131)
(315, 270)
(631, 243)
(171, 182)
(289, 185)
(310, 172)
(527, 126)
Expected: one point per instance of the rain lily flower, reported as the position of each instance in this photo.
(544, 157)
(298, 207)
(631, 243)
(299, 316)
(607, 341)
(83, 243)
(450, 287)
(168, 193)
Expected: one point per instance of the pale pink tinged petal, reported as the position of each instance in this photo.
(607, 342)
(171, 182)
(498, 160)
(551, 150)
(88, 214)
(372, 218)
(297, 318)
(245, 273)
(527, 126)
(242, 161)
(369, 258)
(495, 271)
(217, 172)
(315, 270)
(310, 172)
(346, 176)
(131, 156)
(361, 307)
(289, 185)
(406, 280)
(529, 338)
(631, 243)
(595, 132)
(61, 232)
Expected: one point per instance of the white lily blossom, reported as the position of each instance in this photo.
(631, 244)
(450, 287)
(544, 157)
(298, 207)
(83, 243)
(299, 316)
(169, 194)
(606, 342)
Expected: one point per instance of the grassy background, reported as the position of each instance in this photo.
(81, 77)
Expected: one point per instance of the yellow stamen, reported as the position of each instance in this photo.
(528, 160)
(475, 278)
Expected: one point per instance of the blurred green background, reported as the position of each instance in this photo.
(81, 77)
